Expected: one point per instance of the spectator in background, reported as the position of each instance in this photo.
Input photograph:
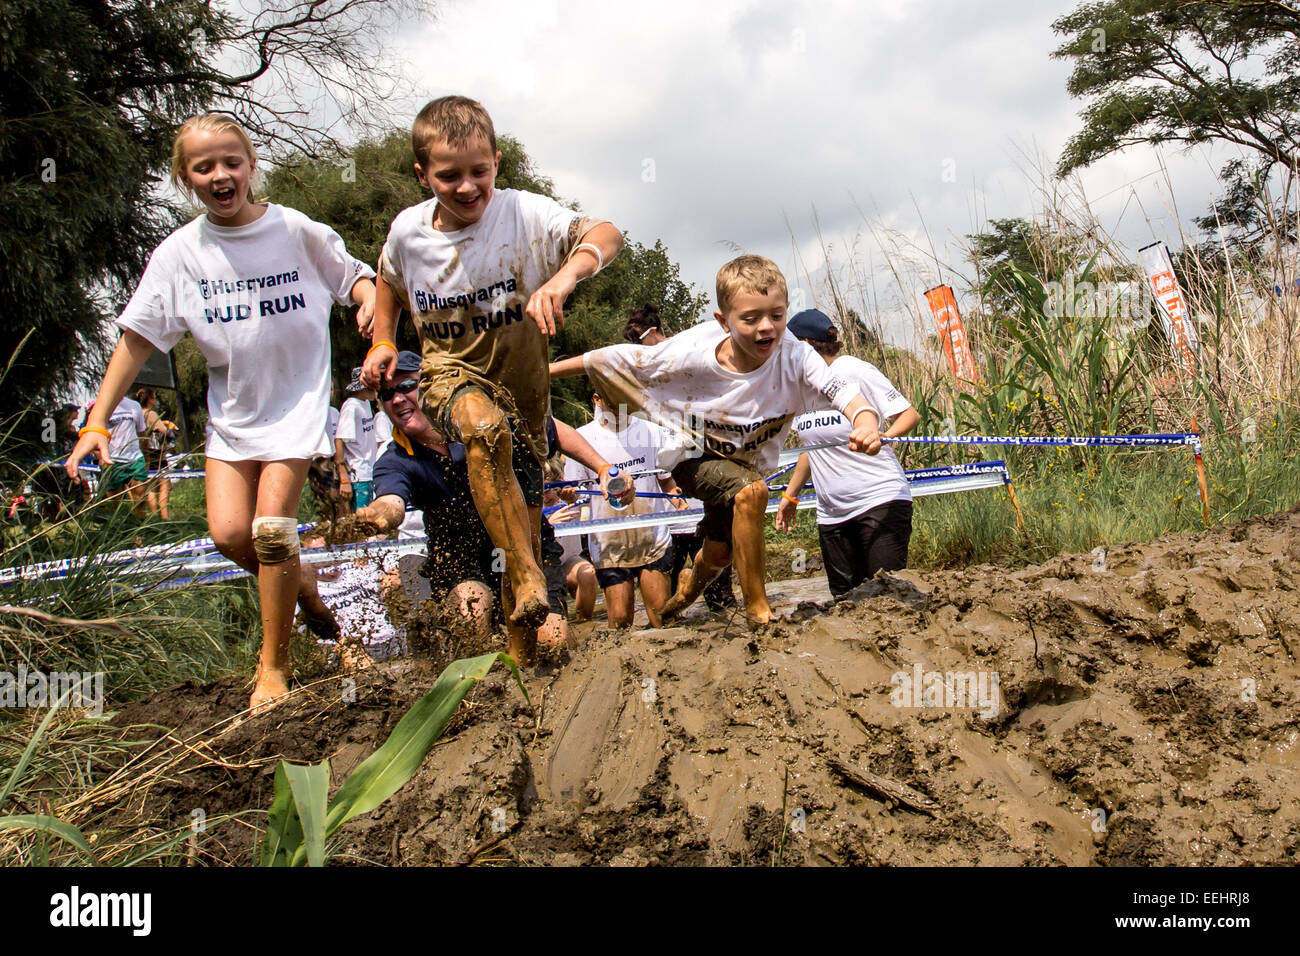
(326, 473)
(644, 326)
(128, 471)
(624, 559)
(355, 440)
(161, 435)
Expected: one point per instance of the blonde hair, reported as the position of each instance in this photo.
(456, 120)
(215, 123)
(748, 274)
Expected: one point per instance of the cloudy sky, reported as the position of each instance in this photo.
(904, 124)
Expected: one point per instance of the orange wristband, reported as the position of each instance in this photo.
(379, 343)
(788, 498)
(94, 428)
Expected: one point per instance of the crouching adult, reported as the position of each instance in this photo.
(422, 471)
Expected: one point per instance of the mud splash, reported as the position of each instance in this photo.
(1137, 708)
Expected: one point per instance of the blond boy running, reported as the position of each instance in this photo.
(485, 273)
(728, 391)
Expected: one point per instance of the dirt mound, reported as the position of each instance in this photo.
(1128, 707)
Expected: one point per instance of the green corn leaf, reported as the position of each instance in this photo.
(283, 828)
(52, 825)
(32, 744)
(310, 784)
(388, 768)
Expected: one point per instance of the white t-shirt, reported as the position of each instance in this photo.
(743, 416)
(467, 289)
(125, 425)
(850, 483)
(357, 432)
(257, 300)
(412, 526)
(633, 449)
(383, 433)
(332, 424)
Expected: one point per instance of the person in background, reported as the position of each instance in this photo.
(864, 503)
(624, 559)
(161, 435)
(355, 441)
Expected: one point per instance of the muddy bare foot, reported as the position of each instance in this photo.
(271, 688)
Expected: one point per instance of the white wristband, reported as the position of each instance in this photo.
(600, 258)
(854, 422)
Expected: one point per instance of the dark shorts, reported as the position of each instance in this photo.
(715, 481)
(527, 469)
(876, 540)
(608, 577)
(120, 474)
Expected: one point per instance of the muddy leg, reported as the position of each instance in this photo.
(709, 563)
(654, 592)
(500, 504)
(521, 638)
(749, 555)
(278, 576)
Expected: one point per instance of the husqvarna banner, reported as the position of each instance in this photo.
(1173, 308)
(953, 336)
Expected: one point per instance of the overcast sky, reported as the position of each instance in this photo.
(707, 124)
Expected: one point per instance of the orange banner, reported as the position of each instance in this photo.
(953, 336)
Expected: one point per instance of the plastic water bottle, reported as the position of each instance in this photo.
(618, 485)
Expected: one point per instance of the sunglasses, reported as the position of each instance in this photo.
(406, 388)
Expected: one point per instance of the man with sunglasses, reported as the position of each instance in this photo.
(423, 471)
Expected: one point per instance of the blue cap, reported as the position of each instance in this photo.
(813, 324)
(407, 362)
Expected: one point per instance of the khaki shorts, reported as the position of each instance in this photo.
(715, 481)
(442, 385)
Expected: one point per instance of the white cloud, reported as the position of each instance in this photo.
(755, 110)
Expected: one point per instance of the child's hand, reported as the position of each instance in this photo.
(546, 305)
(866, 432)
(786, 515)
(87, 443)
(375, 370)
(366, 318)
(567, 513)
(627, 496)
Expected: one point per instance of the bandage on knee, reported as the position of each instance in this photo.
(275, 539)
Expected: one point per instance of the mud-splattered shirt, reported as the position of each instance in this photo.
(706, 408)
(466, 291)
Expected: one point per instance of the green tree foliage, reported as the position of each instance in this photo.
(86, 90)
(358, 192)
(1157, 71)
(91, 93)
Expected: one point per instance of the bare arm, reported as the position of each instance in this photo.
(580, 450)
(786, 511)
(363, 294)
(567, 368)
(903, 423)
(546, 305)
(375, 370)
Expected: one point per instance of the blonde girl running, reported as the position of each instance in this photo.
(253, 283)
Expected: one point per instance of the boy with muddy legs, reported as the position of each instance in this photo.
(728, 393)
(485, 274)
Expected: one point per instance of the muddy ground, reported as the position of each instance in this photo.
(1145, 711)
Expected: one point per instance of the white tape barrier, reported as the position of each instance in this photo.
(197, 565)
(155, 555)
(923, 482)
